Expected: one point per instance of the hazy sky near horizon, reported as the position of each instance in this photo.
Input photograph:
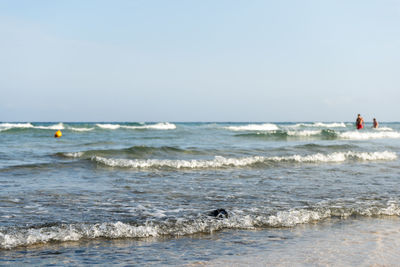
(199, 60)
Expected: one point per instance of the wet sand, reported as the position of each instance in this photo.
(365, 242)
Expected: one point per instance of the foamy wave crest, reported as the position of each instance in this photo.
(302, 216)
(7, 126)
(304, 133)
(157, 126)
(114, 230)
(74, 232)
(254, 127)
(217, 162)
(337, 157)
(361, 135)
(59, 126)
(80, 129)
(16, 125)
(108, 126)
(220, 162)
(321, 125)
(17, 237)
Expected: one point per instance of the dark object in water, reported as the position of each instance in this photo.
(219, 213)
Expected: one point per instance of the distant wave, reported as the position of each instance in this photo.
(6, 126)
(221, 162)
(254, 127)
(320, 125)
(157, 126)
(59, 126)
(108, 126)
(9, 126)
(13, 237)
(83, 129)
(324, 134)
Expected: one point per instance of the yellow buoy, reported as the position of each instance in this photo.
(58, 134)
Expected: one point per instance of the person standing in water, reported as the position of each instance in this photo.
(375, 124)
(359, 122)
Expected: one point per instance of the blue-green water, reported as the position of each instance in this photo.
(143, 191)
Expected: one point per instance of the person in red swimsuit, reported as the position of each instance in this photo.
(359, 122)
(375, 124)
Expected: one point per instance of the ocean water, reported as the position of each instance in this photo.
(141, 194)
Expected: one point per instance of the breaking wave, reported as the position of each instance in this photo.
(83, 129)
(13, 237)
(254, 127)
(320, 125)
(108, 126)
(361, 135)
(157, 126)
(87, 127)
(221, 162)
(6, 126)
(325, 134)
(9, 126)
(59, 126)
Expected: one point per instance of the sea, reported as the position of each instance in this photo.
(199, 194)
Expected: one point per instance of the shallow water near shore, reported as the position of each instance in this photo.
(141, 193)
(335, 242)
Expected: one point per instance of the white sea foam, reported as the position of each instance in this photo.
(254, 127)
(157, 126)
(338, 157)
(74, 232)
(59, 126)
(217, 162)
(7, 126)
(304, 133)
(220, 162)
(294, 217)
(383, 129)
(362, 135)
(80, 129)
(108, 126)
(320, 124)
(15, 125)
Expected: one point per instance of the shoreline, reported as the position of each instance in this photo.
(334, 242)
(350, 242)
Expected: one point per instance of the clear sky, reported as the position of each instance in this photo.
(205, 60)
